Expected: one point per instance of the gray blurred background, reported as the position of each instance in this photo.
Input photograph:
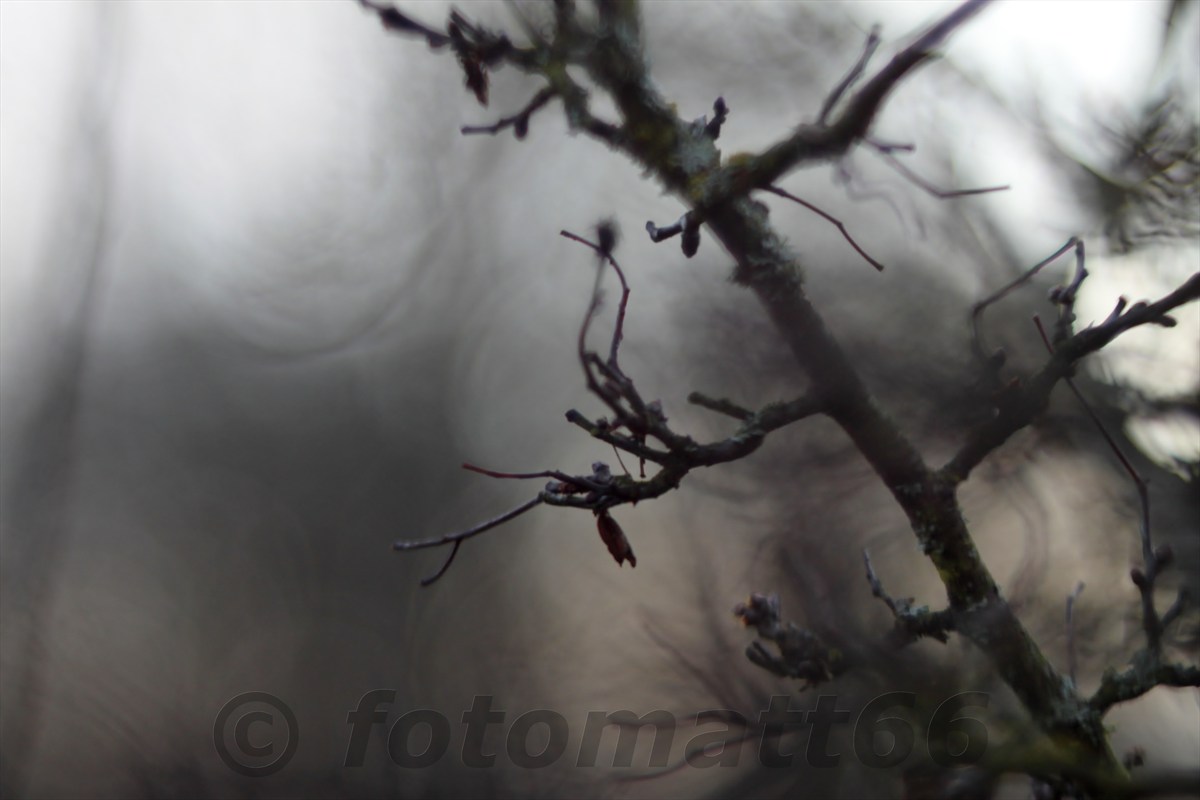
(259, 300)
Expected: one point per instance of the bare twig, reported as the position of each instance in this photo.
(852, 76)
(721, 406)
(459, 537)
(519, 121)
(911, 623)
(809, 143)
(831, 218)
(1071, 598)
(890, 147)
(393, 19)
(978, 309)
(712, 128)
(929, 188)
(1143, 579)
(577, 482)
(1027, 401)
(862, 108)
(768, 267)
(601, 490)
(605, 256)
(802, 655)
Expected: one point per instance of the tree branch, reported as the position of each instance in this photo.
(1027, 403)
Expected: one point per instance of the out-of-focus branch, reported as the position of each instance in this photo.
(810, 143)
(802, 654)
(978, 309)
(1027, 402)
(519, 122)
(911, 622)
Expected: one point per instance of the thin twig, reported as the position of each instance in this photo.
(519, 121)
(515, 475)
(459, 537)
(721, 406)
(658, 234)
(1071, 598)
(1145, 584)
(941, 194)
(853, 75)
(394, 20)
(604, 255)
(577, 482)
(890, 147)
(831, 218)
(911, 623)
(1029, 398)
(978, 309)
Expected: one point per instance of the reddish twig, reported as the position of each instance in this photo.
(841, 227)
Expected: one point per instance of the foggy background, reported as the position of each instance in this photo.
(259, 300)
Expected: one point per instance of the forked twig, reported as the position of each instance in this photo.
(978, 309)
(459, 537)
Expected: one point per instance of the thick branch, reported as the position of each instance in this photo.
(1145, 674)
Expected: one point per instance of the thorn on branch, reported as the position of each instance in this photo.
(519, 122)
(830, 218)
